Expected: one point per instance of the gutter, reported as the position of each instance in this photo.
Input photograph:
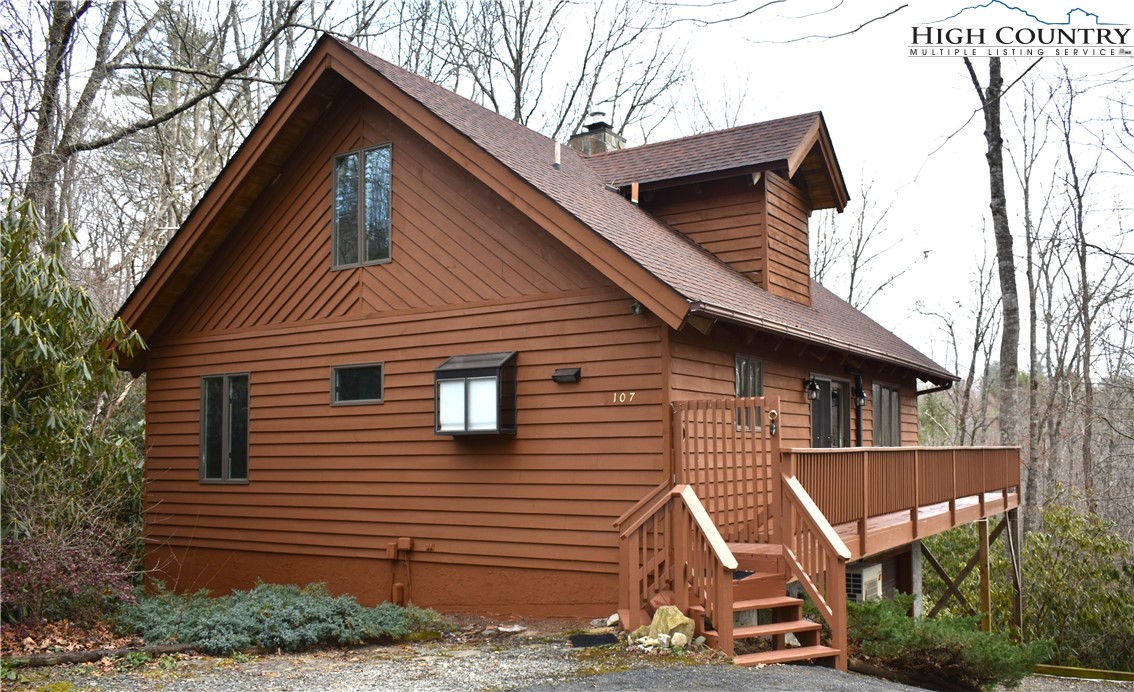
(933, 390)
(712, 311)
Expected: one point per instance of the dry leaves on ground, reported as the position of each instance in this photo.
(61, 636)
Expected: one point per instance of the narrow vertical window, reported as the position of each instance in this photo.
(749, 383)
(362, 207)
(224, 428)
(887, 416)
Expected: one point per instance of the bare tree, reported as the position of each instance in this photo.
(848, 250)
(990, 103)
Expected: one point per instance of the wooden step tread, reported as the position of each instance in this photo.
(762, 603)
(775, 628)
(769, 629)
(760, 576)
(801, 653)
(756, 549)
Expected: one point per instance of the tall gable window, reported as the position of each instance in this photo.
(362, 207)
(224, 428)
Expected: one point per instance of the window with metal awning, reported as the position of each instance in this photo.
(476, 395)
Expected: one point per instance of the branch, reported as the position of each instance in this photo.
(172, 113)
(845, 33)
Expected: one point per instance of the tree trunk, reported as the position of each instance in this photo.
(1006, 261)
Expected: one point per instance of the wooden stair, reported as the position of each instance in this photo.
(760, 587)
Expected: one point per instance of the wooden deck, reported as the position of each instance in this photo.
(739, 499)
(895, 529)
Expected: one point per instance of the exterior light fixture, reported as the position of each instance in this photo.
(476, 395)
(859, 397)
(812, 388)
(565, 375)
(637, 308)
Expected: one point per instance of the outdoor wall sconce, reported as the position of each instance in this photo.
(812, 388)
(565, 375)
(637, 308)
(476, 395)
(859, 397)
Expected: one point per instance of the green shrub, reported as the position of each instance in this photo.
(70, 462)
(941, 649)
(1078, 586)
(270, 616)
(1079, 590)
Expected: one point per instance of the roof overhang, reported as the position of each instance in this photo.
(705, 311)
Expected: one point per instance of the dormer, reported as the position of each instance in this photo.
(744, 194)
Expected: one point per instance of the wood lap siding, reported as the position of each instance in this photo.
(352, 473)
(728, 221)
(468, 274)
(788, 259)
(706, 370)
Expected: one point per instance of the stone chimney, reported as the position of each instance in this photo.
(599, 137)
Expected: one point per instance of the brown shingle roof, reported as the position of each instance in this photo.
(710, 285)
(762, 145)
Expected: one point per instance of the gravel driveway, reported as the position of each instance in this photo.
(531, 660)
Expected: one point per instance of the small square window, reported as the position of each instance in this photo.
(357, 384)
(362, 207)
(476, 395)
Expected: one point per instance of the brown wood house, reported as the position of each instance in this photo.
(415, 350)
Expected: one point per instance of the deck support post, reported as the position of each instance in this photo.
(1013, 520)
(985, 576)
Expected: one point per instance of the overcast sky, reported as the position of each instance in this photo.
(896, 120)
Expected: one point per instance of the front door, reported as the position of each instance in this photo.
(830, 413)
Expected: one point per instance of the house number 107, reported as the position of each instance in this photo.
(622, 397)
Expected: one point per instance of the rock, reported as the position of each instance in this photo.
(791, 640)
(679, 640)
(699, 641)
(598, 622)
(612, 620)
(668, 620)
(466, 653)
(648, 642)
(490, 632)
(511, 629)
(663, 639)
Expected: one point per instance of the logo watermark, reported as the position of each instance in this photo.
(998, 28)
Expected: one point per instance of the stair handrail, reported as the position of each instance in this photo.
(829, 568)
(707, 527)
(815, 517)
(639, 511)
(675, 565)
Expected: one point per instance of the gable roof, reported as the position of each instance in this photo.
(797, 144)
(670, 274)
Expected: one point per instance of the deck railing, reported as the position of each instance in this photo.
(860, 483)
(669, 546)
(722, 450)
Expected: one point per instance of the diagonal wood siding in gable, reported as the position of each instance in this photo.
(454, 241)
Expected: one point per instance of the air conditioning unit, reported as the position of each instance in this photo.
(864, 582)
